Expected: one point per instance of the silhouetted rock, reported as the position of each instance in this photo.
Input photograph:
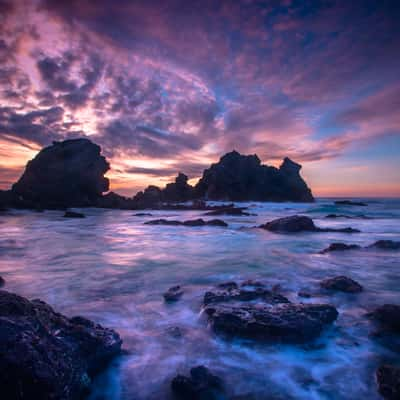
(65, 174)
(73, 214)
(340, 247)
(151, 197)
(300, 223)
(385, 245)
(191, 222)
(45, 355)
(173, 294)
(115, 201)
(243, 178)
(286, 322)
(388, 316)
(388, 380)
(341, 284)
(350, 203)
(179, 191)
(2, 281)
(229, 211)
(201, 385)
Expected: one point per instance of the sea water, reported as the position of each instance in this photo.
(113, 269)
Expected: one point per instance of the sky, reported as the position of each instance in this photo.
(171, 85)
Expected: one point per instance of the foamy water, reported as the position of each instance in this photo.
(111, 268)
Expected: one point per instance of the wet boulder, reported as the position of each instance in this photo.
(163, 222)
(200, 385)
(340, 247)
(287, 322)
(385, 245)
(73, 214)
(387, 316)
(388, 380)
(341, 284)
(350, 203)
(45, 355)
(65, 174)
(174, 293)
(188, 223)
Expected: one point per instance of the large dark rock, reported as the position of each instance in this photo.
(300, 223)
(178, 191)
(388, 380)
(201, 385)
(293, 323)
(243, 178)
(2, 281)
(388, 316)
(45, 355)
(385, 245)
(341, 284)
(174, 293)
(65, 174)
(116, 201)
(151, 197)
(340, 247)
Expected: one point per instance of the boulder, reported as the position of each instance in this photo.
(45, 355)
(65, 174)
(73, 214)
(2, 281)
(237, 177)
(385, 245)
(151, 197)
(284, 322)
(174, 293)
(341, 284)
(388, 380)
(200, 385)
(115, 201)
(340, 247)
(179, 191)
(388, 316)
(143, 215)
(350, 203)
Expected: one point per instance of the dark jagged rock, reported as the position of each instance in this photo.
(385, 245)
(151, 197)
(201, 385)
(300, 223)
(230, 291)
(2, 281)
(235, 211)
(115, 201)
(192, 222)
(243, 178)
(350, 203)
(174, 293)
(179, 191)
(73, 214)
(65, 174)
(388, 316)
(340, 247)
(45, 355)
(388, 380)
(292, 323)
(341, 284)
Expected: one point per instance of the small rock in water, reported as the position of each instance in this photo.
(385, 245)
(201, 385)
(73, 214)
(340, 247)
(2, 281)
(216, 222)
(341, 284)
(173, 294)
(304, 294)
(191, 222)
(388, 315)
(143, 215)
(163, 222)
(175, 332)
(350, 203)
(229, 211)
(388, 380)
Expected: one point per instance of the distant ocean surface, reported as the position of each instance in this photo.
(113, 269)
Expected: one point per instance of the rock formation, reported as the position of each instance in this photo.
(341, 284)
(65, 174)
(45, 355)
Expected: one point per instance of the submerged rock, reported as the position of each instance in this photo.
(45, 355)
(350, 203)
(300, 223)
(201, 385)
(341, 284)
(65, 174)
(388, 380)
(385, 245)
(163, 222)
(143, 215)
(340, 247)
(192, 222)
(73, 214)
(292, 323)
(174, 293)
(388, 316)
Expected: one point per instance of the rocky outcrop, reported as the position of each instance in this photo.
(350, 203)
(179, 191)
(73, 214)
(341, 284)
(116, 201)
(190, 222)
(385, 245)
(243, 178)
(65, 174)
(388, 380)
(174, 293)
(45, 355)
(300, 223)
(340, 247)
(291, 323)
(387, 316)
(200, 385)
(2, 281)
(151, 197)
(234, 211)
